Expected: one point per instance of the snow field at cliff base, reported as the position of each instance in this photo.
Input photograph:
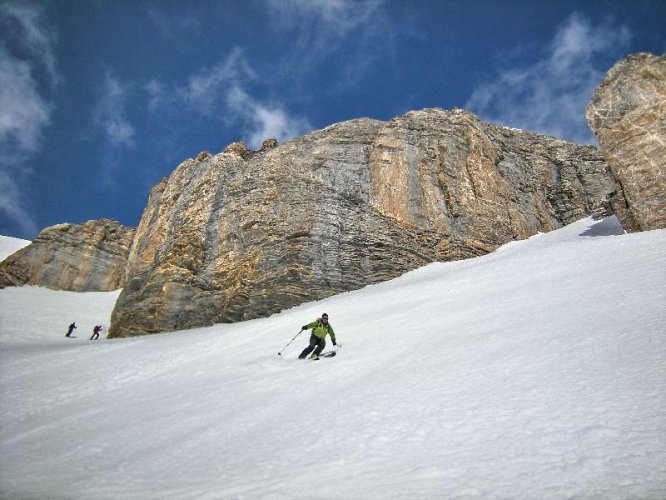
(537, 371)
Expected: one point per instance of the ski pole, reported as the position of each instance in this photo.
(280, 353)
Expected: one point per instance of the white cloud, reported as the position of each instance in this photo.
(209, 87)
(550, 96)
(11, 204)
(224, 91)
(157, 95)
(168, 27)
(27, 71)
(318, 30)
(35, 36)
(109, 113)
(332, 17)
(264, 121)
(24, 112)
(233, 90)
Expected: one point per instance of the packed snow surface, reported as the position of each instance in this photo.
(9, 245)
(538, 371)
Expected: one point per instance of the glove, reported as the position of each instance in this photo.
(304, 327)
(334, 343)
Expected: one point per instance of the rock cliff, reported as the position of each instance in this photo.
(243, 234)
(75, 257)
(628, 116)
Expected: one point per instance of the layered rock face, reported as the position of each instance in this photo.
(242, 234)
(628, 116)
(74, 257)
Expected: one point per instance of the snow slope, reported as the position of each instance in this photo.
(538, 371)
(9, 245)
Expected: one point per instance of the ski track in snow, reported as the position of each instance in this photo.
(537, 371)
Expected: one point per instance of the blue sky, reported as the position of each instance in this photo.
(100, 99)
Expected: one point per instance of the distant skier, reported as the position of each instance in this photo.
(96, 330)
(71, 328)
(320, 328)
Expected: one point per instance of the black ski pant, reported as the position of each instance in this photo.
(316, 344)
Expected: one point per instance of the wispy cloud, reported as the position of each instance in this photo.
(210, 86)
(27, 73)
(109, 117)
(241, 96)
(550, 96)
(318, 30)
(110, 111)
(167, 27)
(157, 94)
(26, 21)
(24, 112)
(263, 121)
(225, 91)
(333, 18)
(12, 206)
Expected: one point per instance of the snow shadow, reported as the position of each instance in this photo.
(609, 226)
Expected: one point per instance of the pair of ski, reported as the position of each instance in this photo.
(327, 354)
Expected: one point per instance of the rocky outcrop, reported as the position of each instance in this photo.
(76, 257)
(244, 234)
(628, 116)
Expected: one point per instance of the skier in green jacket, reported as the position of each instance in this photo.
(320, 328)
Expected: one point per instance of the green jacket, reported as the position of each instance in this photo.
(319, 329)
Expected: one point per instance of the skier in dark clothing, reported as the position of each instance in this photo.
(320, 328)
(96, 330)
(71, 328)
